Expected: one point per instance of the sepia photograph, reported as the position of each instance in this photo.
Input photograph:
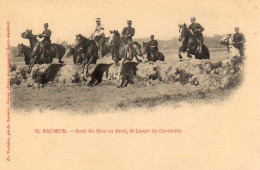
(129, 84)
(88, 60)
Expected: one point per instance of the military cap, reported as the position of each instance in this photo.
(46, 24)
(152, 35)
(129, 21)
(98, 19)
(236, 28)
(193, 18)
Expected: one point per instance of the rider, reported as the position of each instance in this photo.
(197, 30)
(238, 41)
(47, 38)
(153, 44)
(99, 36)
(127, 34)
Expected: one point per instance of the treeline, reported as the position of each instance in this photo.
(211, 42)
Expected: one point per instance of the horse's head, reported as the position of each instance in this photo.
(20, 50)
(79, 39)
(182, 31)
(69, 51)
(114, 38)
(225, 40)
(27, 34)
(145, 47)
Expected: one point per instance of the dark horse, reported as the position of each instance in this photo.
(77, 57)
(152, 55)
(119, 49)
(190, 44)
(88, 50)
(105, 46)
(55, 50)
(26, 52)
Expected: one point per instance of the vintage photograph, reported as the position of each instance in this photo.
(129, 85)
(110, 60)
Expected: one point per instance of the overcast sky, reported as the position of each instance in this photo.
(161, 18)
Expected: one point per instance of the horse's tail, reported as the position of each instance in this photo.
(161, 56)
(59, 50)
(205, 52)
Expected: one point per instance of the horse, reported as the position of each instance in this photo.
(152, 55)
(28, 55)
(227, 40)
(190, 44)
(55, 50)
(105, 46)
(119, 49)
(77, 57)
(26, 52)
(88, 50)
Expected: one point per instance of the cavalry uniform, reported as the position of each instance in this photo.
(47, 38)
(128, 32)
(238, 41)
(153, 44)
(99, 36)
(127, 36)
(197, 30)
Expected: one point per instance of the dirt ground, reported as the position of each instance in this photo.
(106, 96)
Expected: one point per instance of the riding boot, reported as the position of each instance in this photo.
(43, 52)
(188, 53)
(189, 56)
(100, 49)
(199, 47)
(60, 61)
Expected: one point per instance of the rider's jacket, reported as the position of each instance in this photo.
(196, 28)
(238, 39)
(128, 31)
(48, 35)
(153, 43)
(99, 30)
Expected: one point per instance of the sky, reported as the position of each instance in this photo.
(70, 17)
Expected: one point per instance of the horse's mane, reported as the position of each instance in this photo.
(24, 46)
(84, 39)
(117, 33)
(185, 26)
(136, 43)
